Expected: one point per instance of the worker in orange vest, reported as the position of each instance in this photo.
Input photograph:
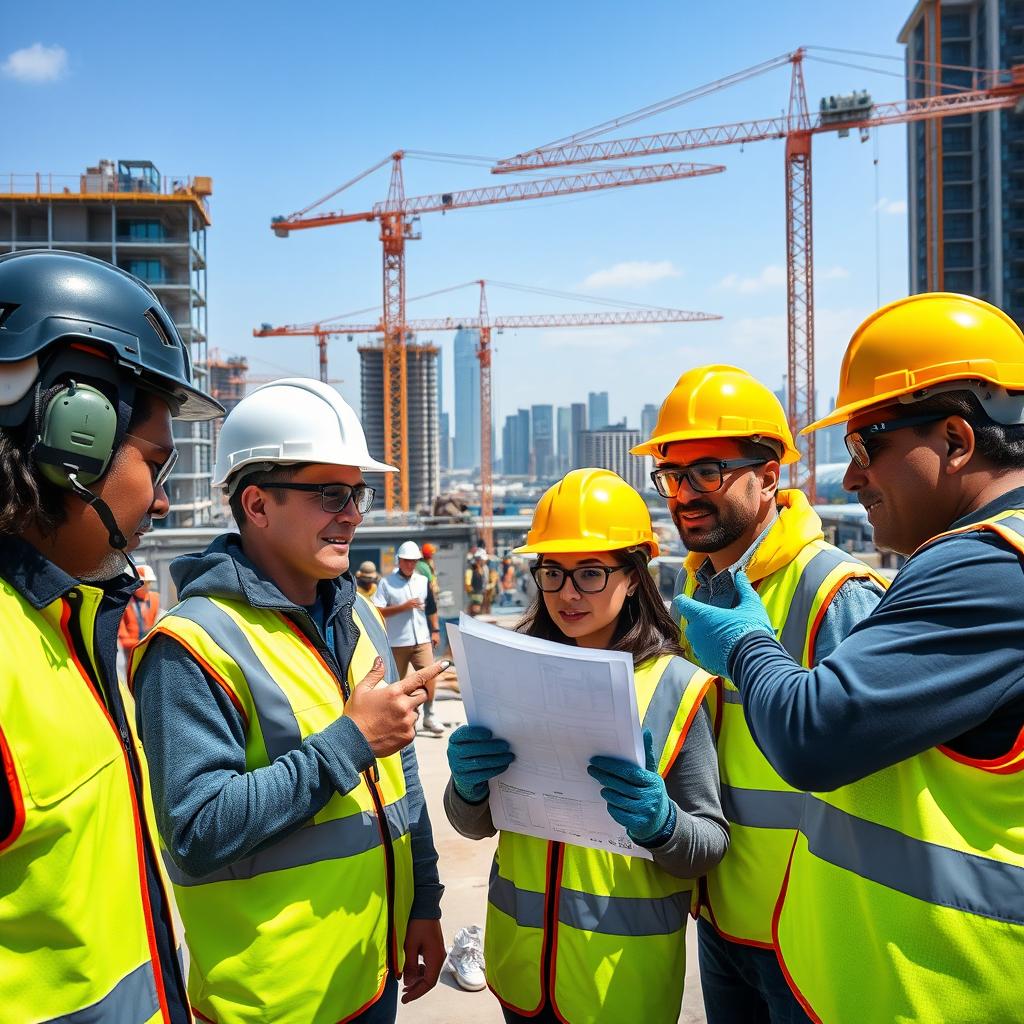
(141, 613)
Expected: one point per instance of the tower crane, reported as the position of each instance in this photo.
(397, 216)
(992, 90)
(485, 325)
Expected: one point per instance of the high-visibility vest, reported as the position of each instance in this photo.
(600, 935)
(904, 898)
(76, 926)
(306, 929)
(796, 575)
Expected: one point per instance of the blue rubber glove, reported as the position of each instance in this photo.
(712, 633)
(636, 796)
(475, 756)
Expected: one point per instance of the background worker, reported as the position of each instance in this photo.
(141, 613)
(476, 582)
(507, 582)
(286, 786)
(719, 445)
(91, 372)
(904, 897)
(366, 579)
(406, 601)
(425, 567)
(575, 934)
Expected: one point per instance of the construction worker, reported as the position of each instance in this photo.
(142, 611)
(507, 582)
(576, 934)
(476, 581)
(719, 445)
(91, 372)
(366, 579)
(425, 566)
(406, 601)
(287, 793)
(904, 898)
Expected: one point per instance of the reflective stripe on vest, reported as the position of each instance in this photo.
(75, 918)
(904, 898)
(763, 810)
(326, 896)
(614, 914)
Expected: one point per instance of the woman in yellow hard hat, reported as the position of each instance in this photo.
(577, 934)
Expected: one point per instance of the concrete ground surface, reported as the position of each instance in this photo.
(464, 867)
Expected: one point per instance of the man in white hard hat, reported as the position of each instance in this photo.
(406, 600)
(279, 739)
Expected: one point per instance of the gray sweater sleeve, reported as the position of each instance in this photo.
(701, 834)
(211, 810)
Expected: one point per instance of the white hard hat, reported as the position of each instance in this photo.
(295, 419)
(480, 553)
(146, 573)
(410, 549)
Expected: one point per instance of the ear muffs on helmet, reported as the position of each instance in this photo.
(77, 434)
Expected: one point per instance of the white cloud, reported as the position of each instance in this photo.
(832, 274)
(771, 276)
(37, 63)
(895, 207)
(632, 274)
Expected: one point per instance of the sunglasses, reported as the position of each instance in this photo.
(859, 442)
(333, 497)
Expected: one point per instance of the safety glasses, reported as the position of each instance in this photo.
(859, 442)
(163, 471)
(333, 497)
(587, 579)
(704, 476)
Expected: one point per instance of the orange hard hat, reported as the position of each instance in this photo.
(428, 550)
(590, 510)
(720, 401)
(909, 347)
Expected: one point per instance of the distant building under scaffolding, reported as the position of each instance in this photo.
(155, 228)
(421, 390)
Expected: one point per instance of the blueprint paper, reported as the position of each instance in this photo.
(558, 706)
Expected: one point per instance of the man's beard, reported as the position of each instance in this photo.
(114, 563)
(727, 529)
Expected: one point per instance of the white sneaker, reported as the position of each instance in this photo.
(431, 724)
(466, 958)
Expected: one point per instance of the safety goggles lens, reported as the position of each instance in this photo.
(334, 497)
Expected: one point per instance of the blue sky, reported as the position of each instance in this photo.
(281, 103)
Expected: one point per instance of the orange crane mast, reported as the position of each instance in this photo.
(397, 216)
(993, 90)
(485, 325)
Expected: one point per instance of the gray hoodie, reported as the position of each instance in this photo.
(210, 810)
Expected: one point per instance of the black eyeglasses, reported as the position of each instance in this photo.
(587, 579)
(704, 476)
(333, 497)
(163, 471)
(858, 442)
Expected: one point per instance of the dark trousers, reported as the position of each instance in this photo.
(384, 1010)
(743, 984)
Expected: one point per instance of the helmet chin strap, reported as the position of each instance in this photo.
(116, 537)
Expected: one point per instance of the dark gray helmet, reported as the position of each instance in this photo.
(49, 296)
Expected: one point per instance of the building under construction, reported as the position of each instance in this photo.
(421, 412)
(155, 228)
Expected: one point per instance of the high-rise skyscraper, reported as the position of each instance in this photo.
(466, 448)
(597, 410)
(564, 425)
(648, 420)
(976, 242)
(579, 424)
(543, 441)
(444, 443)
(609, 449)
(421, 375)
(515, 444)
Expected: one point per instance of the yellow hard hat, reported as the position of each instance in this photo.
(589, 510)
(918, 342)
(719, 401)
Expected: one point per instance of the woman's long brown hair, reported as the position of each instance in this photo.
(643, 629)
